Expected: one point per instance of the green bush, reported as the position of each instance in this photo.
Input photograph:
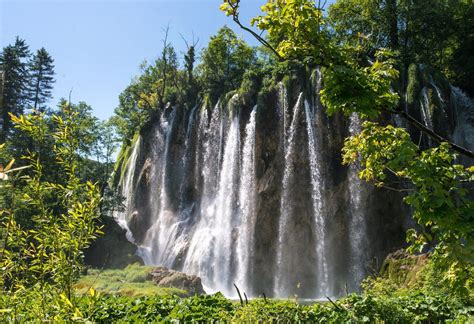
(413, 307)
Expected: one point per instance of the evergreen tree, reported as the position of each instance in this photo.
(41, 79)
(13, 63)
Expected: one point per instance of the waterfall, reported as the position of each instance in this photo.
(464, 118)
(357, 218)
(160, 245)
(283, 268)
(247, 201)
(317, 200)
(127, 187)
(253, 195)
(225, 207)
(201, 251)
(188, 159)
(212, 153)
(213, 240)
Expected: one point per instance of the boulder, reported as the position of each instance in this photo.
(164, 277)
(403, 268)
(111, 250)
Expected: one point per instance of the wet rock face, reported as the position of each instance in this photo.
(166, 278)
(112, 250)
(313, 228)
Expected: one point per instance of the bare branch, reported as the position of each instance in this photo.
(428, 131)
(260, 39)
(139, 96)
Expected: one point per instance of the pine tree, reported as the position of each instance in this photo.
(13, 64)
(41, 79)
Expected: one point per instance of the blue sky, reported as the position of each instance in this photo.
(98, 45)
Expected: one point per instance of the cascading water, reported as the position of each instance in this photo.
(464, 119)
(425, 111)
(127, 187)
(254, 196)
(190, 150)
(225, 208)
(358, 226)
(283, 268)
(161, 242)
(200, 253)
(316, 197)
(212, 242)
(247, 204)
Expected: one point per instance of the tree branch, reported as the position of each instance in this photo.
(428, 131)
(139, 96)
(261, 40)
(438, 138)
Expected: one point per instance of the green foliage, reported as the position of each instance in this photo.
(123, 158)
(414, 307)
(413, 29)
(365, 90)
(296, 27)
(158, 84)
(203, 308)
(259, 310)
(223, 63)
(438, 195)
(45, 255)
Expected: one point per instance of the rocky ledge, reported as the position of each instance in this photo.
(163, 277)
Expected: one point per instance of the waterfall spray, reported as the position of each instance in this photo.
(127, 186)
(357, 222)
(247, 201)
(286, 208)
(316, 195)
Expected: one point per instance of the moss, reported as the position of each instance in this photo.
(266, 98)
(123, 160)
(404, 270)
(434, 104)
(232, 102)
(413, 86)
(441, 81)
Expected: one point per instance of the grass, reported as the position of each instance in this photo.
(131, 281)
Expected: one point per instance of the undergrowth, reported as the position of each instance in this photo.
(131, 281)
(412, 308)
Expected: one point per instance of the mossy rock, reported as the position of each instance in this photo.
(123, 160)
(413, 86)
(402, 268)
(111, 250)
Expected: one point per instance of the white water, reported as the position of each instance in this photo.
(127, 186)
(464, 117)
(358, 226)
(317, 200)
(212, 242)
(161, 242)
(224, 209)
(247, 205)
(426, 112)
(286, 208)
